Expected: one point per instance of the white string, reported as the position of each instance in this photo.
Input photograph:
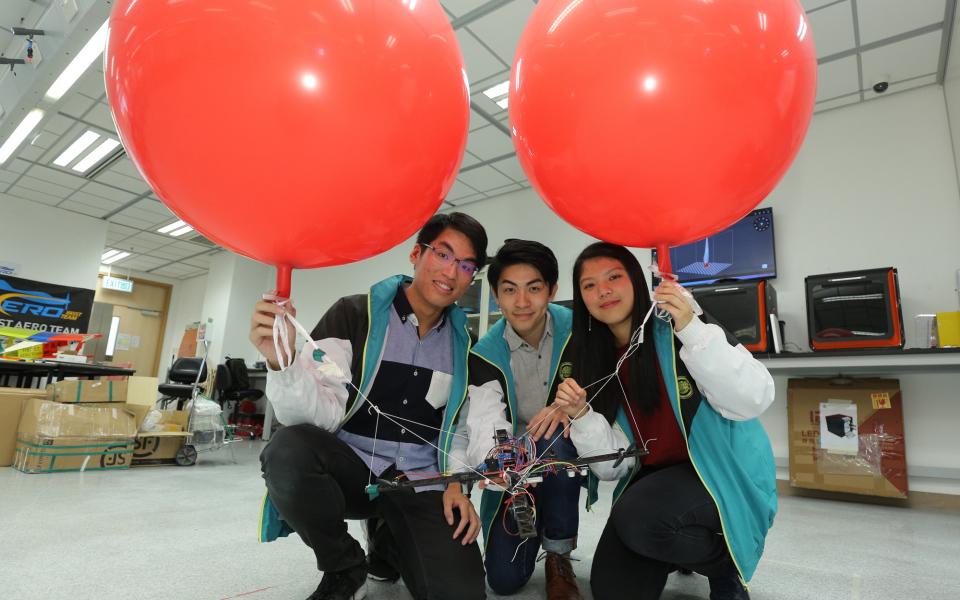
(517, 551)
(373, 452)
(278, 326)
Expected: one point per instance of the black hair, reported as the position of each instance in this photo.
(524, 252)
(595, 348)
(461, 222)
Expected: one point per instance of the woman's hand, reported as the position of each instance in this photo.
(571, 398)
(672, 297)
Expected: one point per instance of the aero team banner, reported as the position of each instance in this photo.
(44, 306)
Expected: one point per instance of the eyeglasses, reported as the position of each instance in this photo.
(464, 265)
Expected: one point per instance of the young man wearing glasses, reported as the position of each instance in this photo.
(404, 345)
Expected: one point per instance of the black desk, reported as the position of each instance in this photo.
(22, 374)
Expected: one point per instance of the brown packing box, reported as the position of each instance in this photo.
(88, 390)
(11, 406)
(160, 447)
(54, 437)
(856, 445)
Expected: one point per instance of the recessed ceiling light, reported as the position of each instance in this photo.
(80, 63)
(115, 258)
(498, 90)
(19, 134)
(76, 148)
(108, 254)
(98, 154)
(171, 227)
(181, 231)
(502, 103)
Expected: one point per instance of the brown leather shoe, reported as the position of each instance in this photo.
(561, 582)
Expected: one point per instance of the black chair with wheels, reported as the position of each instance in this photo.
(233, 385)
(183, 378)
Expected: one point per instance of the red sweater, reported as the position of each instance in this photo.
(660, 430)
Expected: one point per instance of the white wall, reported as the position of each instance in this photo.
(874, 186)
(951, 91)
(49, 245)
(186, 304)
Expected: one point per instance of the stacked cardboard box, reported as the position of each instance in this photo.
(83, 425)
(12, 401)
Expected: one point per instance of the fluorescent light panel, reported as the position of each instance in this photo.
(80, 63)
(19, 134)
(171, 227)
(108, 254)
(181, 231)
(502, 103)
(108, 146)
(498, 90)
(115, 258)
(76, 148)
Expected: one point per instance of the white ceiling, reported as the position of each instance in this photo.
(859, 42)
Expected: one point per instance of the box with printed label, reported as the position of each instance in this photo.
(846, 435)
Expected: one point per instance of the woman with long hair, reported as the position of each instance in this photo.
(683, 389)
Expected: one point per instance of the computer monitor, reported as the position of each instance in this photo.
(743, 251)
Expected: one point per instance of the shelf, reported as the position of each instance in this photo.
(874, 362)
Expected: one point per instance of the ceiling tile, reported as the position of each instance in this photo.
(137, 186)
(28, 194)
(837, 102)
(480, 63)
(837, 78)
(484, 178)
(75, 105)
(80, 207)
(511, 168)
(902, 60)
(30, 152)
(881, 19)
(832, 29)
(501, 29)
(461, 7)
(125, 167)
(900, 86)
(110, 193)
(812, 5)
(489, 142)
(467, 199)
(469, 159)
(58, 124)
(92, 200)
(51, 189)
(459, 190)
(125, 219)
(100, 115)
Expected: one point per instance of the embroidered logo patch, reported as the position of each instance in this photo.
(566, 370)
(318, 354)
(684, 387)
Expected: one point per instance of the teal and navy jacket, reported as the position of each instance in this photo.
(352, 334)
(727, 445)
(490, 366)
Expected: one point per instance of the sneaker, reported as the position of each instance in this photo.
(378, 569)
(350, 584)
(727, 587)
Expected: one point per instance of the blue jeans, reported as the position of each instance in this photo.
(558, 518)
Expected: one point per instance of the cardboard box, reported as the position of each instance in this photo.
(11, 407)
(846, 435)
(54, 437)
(75, 391)
(154, 448)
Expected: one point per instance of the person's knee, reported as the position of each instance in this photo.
(285, 460)
(506, 582)
(642, 531)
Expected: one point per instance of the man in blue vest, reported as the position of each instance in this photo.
(517, 363)
(379, 396)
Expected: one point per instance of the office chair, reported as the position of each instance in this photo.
(183, 378)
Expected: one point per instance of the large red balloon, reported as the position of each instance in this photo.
(298, 133)
(662, 121)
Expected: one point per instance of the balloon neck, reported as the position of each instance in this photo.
(284, 273)
(663, 258)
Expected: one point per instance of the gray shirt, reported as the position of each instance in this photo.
(531, 371)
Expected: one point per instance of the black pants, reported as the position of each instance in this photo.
(664, 520)
(316, 481)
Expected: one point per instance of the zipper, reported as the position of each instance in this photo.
(683, 427)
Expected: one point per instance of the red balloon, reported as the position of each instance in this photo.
(662, 121)
(300, 134)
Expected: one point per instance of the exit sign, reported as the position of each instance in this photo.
(117, 284)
